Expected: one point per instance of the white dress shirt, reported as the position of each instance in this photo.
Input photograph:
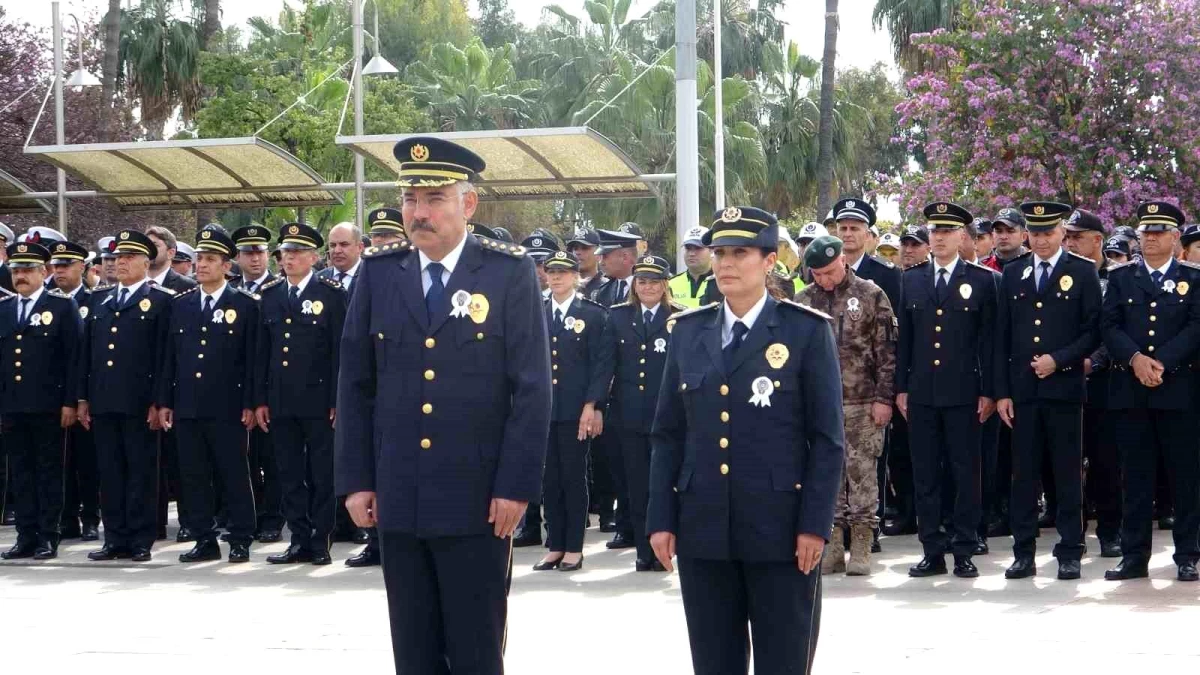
(949, 271)
(32, 301)
(449, 263)
(748, 319)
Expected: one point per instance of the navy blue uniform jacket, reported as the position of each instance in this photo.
(639, 355)
(207, 368)
(1063, 320)
(1162, 324)
(39, 363)
(439, 416)
(581, 368)
(738, 481)
(122, 349)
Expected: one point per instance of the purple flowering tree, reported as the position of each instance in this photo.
(1091, 102)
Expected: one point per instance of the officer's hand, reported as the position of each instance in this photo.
(663, 544)
(83, 410)
(67, 418)
(1005, 407)
(902, 404)
(166, 418)
(333, 417)
(986, 407)
(881, 414)
(808, 552)
(1145, 371)
(505, 515)
(152, 419)
(262, 415)
(1087, 366)
(361, 506)
(585, 422)
(248, 419)
(597, 423)
(1044, 366)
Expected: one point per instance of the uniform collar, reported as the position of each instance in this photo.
(215, 296)
(653, 311)
(161, 278)
(949, 268)
(35, 297)
(1164, 269)
(303, 283)
(449, 262)
(132, 289)
(1053, 260)
(563, 307)
(748, 319)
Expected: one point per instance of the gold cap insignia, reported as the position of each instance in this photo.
(941, 208)
(379, 216)
(22, 249)
(206, 235)
(560, 255)
(731, 215)
(60, 248)
(124, 236)
(648, 260)
(1153, 208)
(419, 153)
(252, 231)
(295, 229)
(1039, 210)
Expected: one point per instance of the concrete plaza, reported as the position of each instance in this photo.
(72, 615)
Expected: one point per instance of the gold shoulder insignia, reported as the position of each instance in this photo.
(1122, 266)
(272, 283)
(401, 246)
(330, 282)
(9, 296)
(506, 248)
(187, 292)
(913, 267)
(1080, 257)
(592, 302)
(164, 289)
(1192, 265)
(981, 266)
(627, 303)
(678, 307)
(58, 293)
(100, 288)
(696, 310)
(806, 308)
(247, 293)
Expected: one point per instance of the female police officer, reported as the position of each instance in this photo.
(747, 460)
(636, 338)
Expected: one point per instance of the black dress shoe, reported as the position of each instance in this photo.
(1166, 523)
(321, 558)
(930, 565)
(1068, 569)
(139, 554)
(22, 549)
(544, 566)
(9, 517)
(526, 537)
(1187, 572)
(619, 540)
(239, 553)
(368, 557)
(649, 566)
(964, 568)
(608, 526)
(1127, 569)
(875, 547)
(981, 547)
(293, 554)
(361, 536)
(1110, 548)
(572, 567)
(203, 551)
(109, 552)
(268, 536)
(89, 532)
(184, 535)
(899, 528)
(1022, 568)
(47, 549)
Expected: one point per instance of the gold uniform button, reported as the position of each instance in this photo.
(1039, 305)
(114, 329)
(110, 364)
(553, 352)
(197, 376)
(724, 469)
(110, 347)
(1037, 322)
(203, 343)
(429, 375)
(937, 345)
(1037, 339)
(1153, 305)
(285, 364)
(287, 320)
(479, 336)
(381, 336)
(18, 351)
(724, 390)
(1150, 348)
(204, 329)
(797, 486)
(937, 329)
(776, 384)
(553, 381)
(287, 335)
(1153, 318)
(427, 408)
(937, 363)
(643, 347)
(199, 356)
(285, 350)
(683, 387)
(724, 443)
(429, 343)
(724, 416)
(18, 364)
(641, 388)
(641, 375)
(17, 378)
(1151, 333)
(641, 360)
(426, 443)
(554, 339)
(939, 312)
(555, 366)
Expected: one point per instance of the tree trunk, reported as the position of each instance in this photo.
(112, 46)
(212, 23)
(825, 133)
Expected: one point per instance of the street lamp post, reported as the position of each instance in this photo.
(687, 169)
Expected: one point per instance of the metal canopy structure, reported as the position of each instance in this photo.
(11, 187)
(187, 174)
(534, 164)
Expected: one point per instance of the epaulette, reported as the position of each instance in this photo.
(9, 296)
(1190, 264)
(164, 289)
(332, 283)
(248, 294)
(678, 307)
(189, 291)
(1121, 266)
(590, 301)
(1083, 258)
(980, 266)
(272, 283)
(102, 288)
(916, 265)
(387, 249)
(56, 292)
(627, 303)
(696, 310)
(886, 263)
(806, 308)
(514, 250)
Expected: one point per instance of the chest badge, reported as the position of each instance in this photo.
(761, 390)
(479, 308)
(660, 345)
(306, 307)
(854, 309)
(1066, 282)
(460, 304)
(83, 312)
(580, 324)
(47, 318)
(965, 291)
(318, 307)
(218, 316)
(144, 305)
(569, 323)
(230, 315)
(1026, 273)
(1169, 285)
(35, 319)
(777, 355)
(1181, 287)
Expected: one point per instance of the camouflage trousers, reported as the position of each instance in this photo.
(858, 500)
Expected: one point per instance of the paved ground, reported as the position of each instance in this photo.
(74, 616)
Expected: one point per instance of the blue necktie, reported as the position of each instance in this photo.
(122, 298)
(648, 316)
(1043, 275)
(1157, 277)
(739, 332)
(294, 298)
(434, 298)
(24, 311)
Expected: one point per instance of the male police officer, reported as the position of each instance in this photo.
(40, 335)
(1048, 322)
(854, 218)
(585, 247)
(124, 333)
(944, 386)
(1151, 326)
(207, 390)
(445, 400)
(385, 226)
(747, 460)
(688, 287)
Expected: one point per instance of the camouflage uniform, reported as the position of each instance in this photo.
(865, 326)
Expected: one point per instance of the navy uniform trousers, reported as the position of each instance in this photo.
(304, 455)
(81, 494)
(950, 438)
(212, 463)
(635, 453)
(1047, 431)
(564, 488)
(128, 458)
(1143, 436)
(35, 464)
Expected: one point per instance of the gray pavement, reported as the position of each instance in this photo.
(72, 615)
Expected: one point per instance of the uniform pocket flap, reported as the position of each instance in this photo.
(784, 479)
(690, 381)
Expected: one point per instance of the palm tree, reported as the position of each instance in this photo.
(315, 32)
(212, 23)
(111, 65)
(158, 61)
(904, 18)
(473, 88)
(825, 131)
